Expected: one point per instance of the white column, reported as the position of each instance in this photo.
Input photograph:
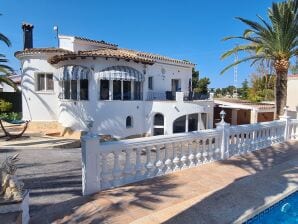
(110, 89)
(225, 130)
(287, 119)
(199, 121)
(186, 123)
(132, 89)
(91, 177)
(121, 89)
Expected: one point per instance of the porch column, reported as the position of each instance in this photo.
(199, 121)
(254, 116)
(132, 89)
(110, 89)
(121, 89)
(186, 123)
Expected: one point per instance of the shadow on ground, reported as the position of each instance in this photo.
(113, 203)
(247, 193)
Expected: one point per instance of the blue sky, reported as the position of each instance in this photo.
(186, 29)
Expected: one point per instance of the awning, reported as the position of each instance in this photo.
(74, 72)
(121, 73)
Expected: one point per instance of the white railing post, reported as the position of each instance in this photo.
(225, 135)
(287, 119)
(90, 162)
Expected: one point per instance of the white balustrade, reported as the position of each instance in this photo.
(113, 164)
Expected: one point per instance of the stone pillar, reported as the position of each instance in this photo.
(287, 119)
(225, 135)
(90, 162)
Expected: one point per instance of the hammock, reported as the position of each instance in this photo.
(17, 122)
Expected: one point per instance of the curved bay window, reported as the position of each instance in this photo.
(74, 83)
(120, 83)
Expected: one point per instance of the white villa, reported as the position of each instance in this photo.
(126, 93)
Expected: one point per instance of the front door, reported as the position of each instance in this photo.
(176, 85)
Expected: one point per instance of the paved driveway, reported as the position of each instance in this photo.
(52, 175)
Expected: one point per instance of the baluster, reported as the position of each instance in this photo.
(117, 172)
(128, 170)
(139, 166)
(205, 158)
(176, 160)
(149, 164)
(159, 162)
(210, 150)
(218, 151)
(184, 154)
(191, 156)
(199, 152)
(168, 160)
(105, 172)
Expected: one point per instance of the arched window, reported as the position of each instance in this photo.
(158, 119)
(158, 124)
(129, 122)
(179, 125)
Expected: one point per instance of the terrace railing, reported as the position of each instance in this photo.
(112, 164)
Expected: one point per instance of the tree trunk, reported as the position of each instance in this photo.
(280, 91)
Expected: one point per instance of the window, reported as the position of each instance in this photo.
(158, 120)
(44, 82)
(126, 90)
(84, 89)
(150, 83)
(158, 124)
(193, 122)
(137, 91)
(104, 89)
(129, 122)
(74, 89)
(75, 85)
(116, 90)
(179, 125)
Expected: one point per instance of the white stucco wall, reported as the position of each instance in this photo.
(109, 116)
(292, 98)
(38, 106)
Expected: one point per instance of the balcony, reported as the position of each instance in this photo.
(172, 95)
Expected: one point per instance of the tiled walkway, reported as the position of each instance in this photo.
(220, 192)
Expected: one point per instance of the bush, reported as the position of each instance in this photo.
(5, 106)
(11, 116)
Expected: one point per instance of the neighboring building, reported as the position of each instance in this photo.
(292, 97)
(242, 111)
(125, 92)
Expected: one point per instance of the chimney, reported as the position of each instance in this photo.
(27, 35)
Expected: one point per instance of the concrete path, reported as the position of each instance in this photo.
(219, 192)
(52, 175)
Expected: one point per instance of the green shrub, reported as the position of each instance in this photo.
(5, 106)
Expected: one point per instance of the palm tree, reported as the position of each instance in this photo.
(274, 41)
(5, 69)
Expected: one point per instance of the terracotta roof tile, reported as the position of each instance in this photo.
(40, 51)
(108, 53)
